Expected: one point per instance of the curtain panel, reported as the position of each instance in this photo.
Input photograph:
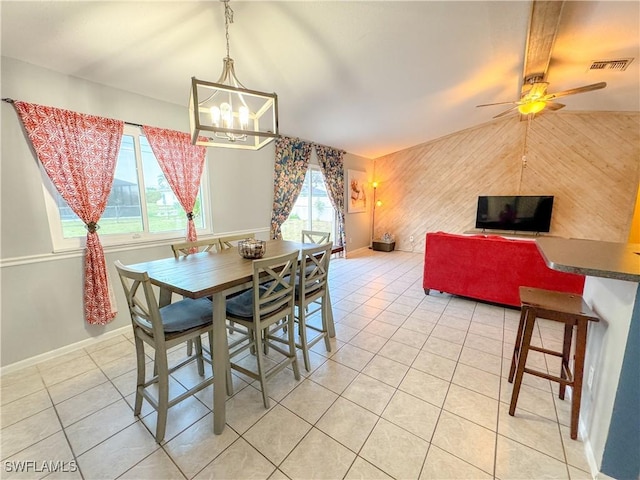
(182, 164)
(79, 154)
(332, 165)
(291, 164)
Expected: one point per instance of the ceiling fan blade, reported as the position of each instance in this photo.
(554, 106)
(573, 91)
(499, 103)
(506, 112)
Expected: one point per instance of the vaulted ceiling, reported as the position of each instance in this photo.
(371, 77)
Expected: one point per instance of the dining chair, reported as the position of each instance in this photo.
(226, 241)
(260, 311)
(315, 236)
(311, 297)
(163, 328)
(182, 249)
(185, 248)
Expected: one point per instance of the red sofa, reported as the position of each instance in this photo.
(490, 268)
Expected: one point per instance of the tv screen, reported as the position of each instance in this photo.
(530, 213)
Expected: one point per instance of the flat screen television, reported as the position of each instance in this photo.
(520, 213)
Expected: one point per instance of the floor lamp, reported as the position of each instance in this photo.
(376, 203)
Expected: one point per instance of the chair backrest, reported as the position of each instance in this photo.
(313, 271)
(225, 242)
(186, 248)
(274, 286)
(141, 301)
(314, 236)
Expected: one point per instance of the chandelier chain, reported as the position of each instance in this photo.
(228, 18)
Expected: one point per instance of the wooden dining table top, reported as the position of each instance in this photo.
(206, 273)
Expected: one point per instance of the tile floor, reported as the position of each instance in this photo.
(414, 388)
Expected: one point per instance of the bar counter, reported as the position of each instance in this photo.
(610, 411)
(592, 257)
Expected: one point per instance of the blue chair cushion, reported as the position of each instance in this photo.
(186, 314)
(241, 305)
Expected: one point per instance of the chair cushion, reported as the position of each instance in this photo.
(241, 305)
(186, 314)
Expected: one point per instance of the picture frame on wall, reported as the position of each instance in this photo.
(356, 191)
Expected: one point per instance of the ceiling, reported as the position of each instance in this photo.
(371, 77)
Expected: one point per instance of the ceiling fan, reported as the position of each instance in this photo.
(536, 98)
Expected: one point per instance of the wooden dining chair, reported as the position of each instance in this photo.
(185, 248)
(312, 297)
(315, 236)
(230, 241)
(182, 249)
(261, 311)
(163, 328)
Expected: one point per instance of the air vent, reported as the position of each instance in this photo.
(619, 65)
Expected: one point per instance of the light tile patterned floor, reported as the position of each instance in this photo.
(414, 388)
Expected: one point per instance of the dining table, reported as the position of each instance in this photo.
(216, 275)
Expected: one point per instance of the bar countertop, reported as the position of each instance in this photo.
(592, 257)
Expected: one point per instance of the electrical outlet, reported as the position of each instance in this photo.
(411, 238)
(592, 372)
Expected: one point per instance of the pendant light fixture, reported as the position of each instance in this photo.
(226, 113)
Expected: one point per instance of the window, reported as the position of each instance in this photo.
(141, 206)
(312, 210)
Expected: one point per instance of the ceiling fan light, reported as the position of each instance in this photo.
(531, 107)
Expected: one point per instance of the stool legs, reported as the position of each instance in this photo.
(518, 344)
(519, 361)
(566, 352)
(578, 370)
(529, 321)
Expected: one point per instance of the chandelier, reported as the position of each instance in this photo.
(226, 113)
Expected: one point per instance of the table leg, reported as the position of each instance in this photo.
(165, 297)
(220, 360)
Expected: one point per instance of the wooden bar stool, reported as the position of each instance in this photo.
(569, 309)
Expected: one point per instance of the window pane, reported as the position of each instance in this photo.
(312, 210)
(323, 215)
(122, 214)
(163, 208)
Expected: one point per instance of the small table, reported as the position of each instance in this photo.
(382, 246)
(211, 274)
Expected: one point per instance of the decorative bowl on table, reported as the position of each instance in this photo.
(251, 248)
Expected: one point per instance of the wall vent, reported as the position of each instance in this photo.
(619, 65)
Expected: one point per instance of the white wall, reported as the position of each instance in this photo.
(41, 292)
(358, 225)
(613, 301)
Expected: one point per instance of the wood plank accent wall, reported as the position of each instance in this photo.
(590, 162)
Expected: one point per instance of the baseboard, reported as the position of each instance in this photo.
(352, 253)
(588, 451)
(29, 362)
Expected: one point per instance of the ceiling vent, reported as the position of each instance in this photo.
(619, 65)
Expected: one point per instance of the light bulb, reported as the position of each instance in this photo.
(225, 112)
(531, 107)
(243, 113)
(374, 184)
(215, 116)
(379, 203)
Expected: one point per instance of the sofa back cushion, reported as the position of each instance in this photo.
(490, 267)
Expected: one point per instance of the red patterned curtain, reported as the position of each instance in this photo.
(182, 164)
(79, 154)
